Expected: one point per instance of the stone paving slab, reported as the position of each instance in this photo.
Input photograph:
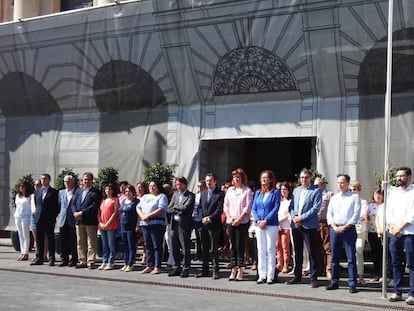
(369, 296)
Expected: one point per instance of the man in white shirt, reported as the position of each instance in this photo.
(343, 214)
(400, 225)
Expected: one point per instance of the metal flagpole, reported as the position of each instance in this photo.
(387, 119)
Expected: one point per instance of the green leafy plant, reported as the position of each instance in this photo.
(106, 175)
(162, 172)
(59, 184)
(379, 178)
(15, 189)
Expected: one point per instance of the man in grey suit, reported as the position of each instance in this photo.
(307, 200)
(66, 223)
(181, 210)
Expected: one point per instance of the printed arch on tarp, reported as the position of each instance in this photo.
(22, 95)
(121, 86)
(251, 69)
(372, 74)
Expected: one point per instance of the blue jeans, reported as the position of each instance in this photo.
(397, 247)
(153, 236)
(348, 239)
(108, 246)
(129, 238)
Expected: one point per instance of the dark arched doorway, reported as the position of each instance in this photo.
(372, 82)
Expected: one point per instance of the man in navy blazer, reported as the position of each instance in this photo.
(66, 222)
(47, 208)
(210, 210)
(307, 200)
(85, 206)
(181, 211)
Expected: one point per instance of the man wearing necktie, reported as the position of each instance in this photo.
(47, 208)
(210, 209)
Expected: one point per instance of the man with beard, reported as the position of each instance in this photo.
(400, 225)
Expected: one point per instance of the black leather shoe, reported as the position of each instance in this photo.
(353, 290)
(63, 264)
(332, 286)
(293, 281)
(51, 263)
(73, 264)
(185, 274)
(202, 275)
(37, 262)
(314, 284)
(175, 272)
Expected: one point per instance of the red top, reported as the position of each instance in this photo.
(106, 211)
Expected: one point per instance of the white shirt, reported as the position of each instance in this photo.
(283, 211)
(23, 207)
(344, 209)
(400, 208)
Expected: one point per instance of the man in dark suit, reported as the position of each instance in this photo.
(307, 200)
(47, 208)
(66, 223)
(85, 205)
(210, 210)
(181, 210)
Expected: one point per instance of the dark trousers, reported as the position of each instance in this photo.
(402, 248)
(68, 243)
(209, 245)
(238, 241)
(153, 237)
(308, 236)
(129, 239)
(181, 240)
(376, 249)
(199, 252)
(348, 240)
(48, 228)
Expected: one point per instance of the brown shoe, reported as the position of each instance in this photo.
(81, 265)
(91, 266)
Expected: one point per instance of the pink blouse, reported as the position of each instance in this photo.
(237, 201)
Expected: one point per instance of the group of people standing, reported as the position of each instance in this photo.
(317, 222)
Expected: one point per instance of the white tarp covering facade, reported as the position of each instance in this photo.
(155, 80)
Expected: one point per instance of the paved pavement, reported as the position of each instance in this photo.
(56, 288)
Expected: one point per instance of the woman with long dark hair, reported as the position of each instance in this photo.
(22, 216)
(108, 225)
(283, 240)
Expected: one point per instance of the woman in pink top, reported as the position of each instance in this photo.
(108, 225)
(237, 207)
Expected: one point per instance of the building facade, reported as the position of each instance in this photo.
(206, 84)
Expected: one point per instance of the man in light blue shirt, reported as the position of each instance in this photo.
(343, 213)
